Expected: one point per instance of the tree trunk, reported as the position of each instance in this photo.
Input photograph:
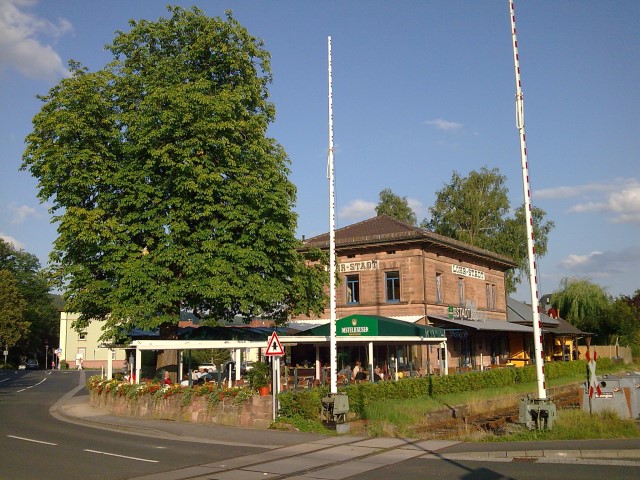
(168, 359)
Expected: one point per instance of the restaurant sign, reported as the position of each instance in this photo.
(357, 327)
(466, 313)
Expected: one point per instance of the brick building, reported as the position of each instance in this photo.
(392, 269)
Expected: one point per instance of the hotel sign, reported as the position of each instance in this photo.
(467, 272)
(358, 266)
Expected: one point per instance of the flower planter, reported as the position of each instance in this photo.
(264, 391)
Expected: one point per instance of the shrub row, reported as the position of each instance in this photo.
(307, 403)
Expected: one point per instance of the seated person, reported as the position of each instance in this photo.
(357, 374)
(205, 376)
(377, 374)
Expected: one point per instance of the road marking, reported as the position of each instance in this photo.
(35, 385)
(31, 440)
(4, 380)
(121, 456)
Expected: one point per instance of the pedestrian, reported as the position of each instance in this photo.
(167, 378)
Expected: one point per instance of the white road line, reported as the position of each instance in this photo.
(32, 440)
(4, 380)
(121, 456)
(35, 385)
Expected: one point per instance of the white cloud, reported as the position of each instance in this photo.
(573, 191)
(444, 125)
(21, 213)
(624, 204)
(358, 210)
(19, 46)
(618, 198)
(9, 239)
(603, 264)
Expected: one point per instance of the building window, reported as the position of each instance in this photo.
(82, 336)
(392, 284)
(487, 289)
(353, 289)
(461, 292)
(438, 288)
(494, 296)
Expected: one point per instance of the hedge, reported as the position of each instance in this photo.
(307, 403)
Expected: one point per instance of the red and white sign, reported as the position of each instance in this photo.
(594, 386)
(274, 347)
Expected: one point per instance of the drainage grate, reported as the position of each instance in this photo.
(524, 459)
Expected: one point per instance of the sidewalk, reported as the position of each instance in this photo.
(76, 409)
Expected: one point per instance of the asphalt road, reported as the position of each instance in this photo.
(34, 445)
(81, 442)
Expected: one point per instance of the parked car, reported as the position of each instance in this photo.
(32, 364)
(208, 367)
(246, 366)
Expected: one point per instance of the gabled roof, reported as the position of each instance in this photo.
(386, 230)
(519, 312)
(565, 328)
(522, 313)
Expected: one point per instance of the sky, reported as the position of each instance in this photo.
(420, 89)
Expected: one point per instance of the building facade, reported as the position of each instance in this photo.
(85, 347)
(396, 270)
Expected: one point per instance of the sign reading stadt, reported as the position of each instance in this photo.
(358, 266)
(467, 272)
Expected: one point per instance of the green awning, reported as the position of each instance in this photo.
(376, 326)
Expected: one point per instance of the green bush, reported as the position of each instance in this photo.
(302, 403)
(307, 403)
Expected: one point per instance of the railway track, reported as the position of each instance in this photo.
(456, 422)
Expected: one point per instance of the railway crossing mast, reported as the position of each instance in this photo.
(531, 249)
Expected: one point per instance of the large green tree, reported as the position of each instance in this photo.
(167, 192)
(475, 209)
(28, 309)
(13, 325)
(396, 207)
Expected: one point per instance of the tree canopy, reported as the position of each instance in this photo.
(28, 317)
(167, 192)
(476, 210)
(589, 307)
(13, 325)
(396, 207)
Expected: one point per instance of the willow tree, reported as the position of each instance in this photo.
(167, 191)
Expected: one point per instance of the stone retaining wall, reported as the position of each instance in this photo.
(256, 412)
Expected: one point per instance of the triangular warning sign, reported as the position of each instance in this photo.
(274, 347)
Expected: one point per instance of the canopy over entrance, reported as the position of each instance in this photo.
(369, 330)
(377, 326)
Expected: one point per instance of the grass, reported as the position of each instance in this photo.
(409, 418)
(577, 425)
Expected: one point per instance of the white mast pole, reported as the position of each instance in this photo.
(531, 249)
(332, 239)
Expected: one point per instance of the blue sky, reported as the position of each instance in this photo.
(420, 89)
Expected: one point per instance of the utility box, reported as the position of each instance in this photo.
(537, 413)
(617, 394)
(335, 407)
